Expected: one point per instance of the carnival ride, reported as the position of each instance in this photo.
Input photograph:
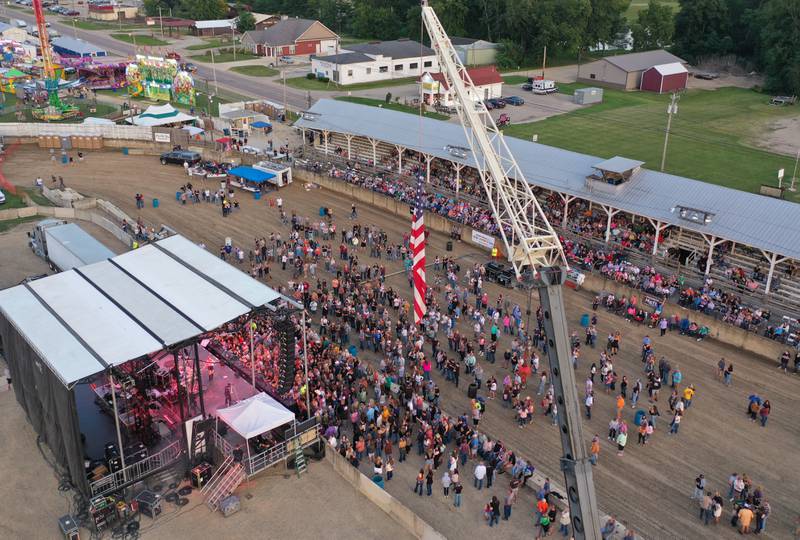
(55, 109)
(537, 256)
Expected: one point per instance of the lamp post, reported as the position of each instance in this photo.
(161, 22)
(133, 37)
(233, 42)
(74, 29)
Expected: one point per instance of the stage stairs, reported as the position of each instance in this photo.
(300, 460)
(224, 482)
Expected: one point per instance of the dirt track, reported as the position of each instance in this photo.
(650, 486)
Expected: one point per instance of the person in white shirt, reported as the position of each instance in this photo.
(480, 474)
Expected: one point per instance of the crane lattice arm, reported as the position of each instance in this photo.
(530, 241)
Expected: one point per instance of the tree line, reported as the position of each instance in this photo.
(764, 33)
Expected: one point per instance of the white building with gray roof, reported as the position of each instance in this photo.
(376, 61)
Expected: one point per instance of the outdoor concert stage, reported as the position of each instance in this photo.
(138, 323)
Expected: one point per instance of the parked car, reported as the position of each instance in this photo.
(2, 197)
(72, 13)
(180, 157)
(488, 103)
(498, 103)
(188, 66)
(514, 100)
(706, 76)
(527, 87)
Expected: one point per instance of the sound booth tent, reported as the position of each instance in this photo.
(63, 329)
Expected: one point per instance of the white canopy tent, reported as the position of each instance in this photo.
(161, 115)
(255, 415)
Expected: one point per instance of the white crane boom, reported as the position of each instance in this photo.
(530, 241)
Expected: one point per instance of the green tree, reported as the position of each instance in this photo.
(452, 14)
(558, 24)
(702, 27)
(744, 28)
(606, 21)
(245, 22)
(373, 21)
(780, 35)
(204, 10)
(654, 27)
(151, 6)
(510, 55)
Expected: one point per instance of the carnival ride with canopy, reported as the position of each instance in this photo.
(56, 109)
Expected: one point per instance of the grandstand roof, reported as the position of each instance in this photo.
(754, 220)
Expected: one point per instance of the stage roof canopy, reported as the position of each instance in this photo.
(255, 415)
(82, 321)
(250, 174)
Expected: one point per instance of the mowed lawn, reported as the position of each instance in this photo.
(638, 5)
(711, 137)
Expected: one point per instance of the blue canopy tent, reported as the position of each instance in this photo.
(250, 179)
(261, 124)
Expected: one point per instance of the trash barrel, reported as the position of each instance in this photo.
(640, 416)
(155, 203)
(64, 159)
(124, 150)
(178, 196)
(321, 211)
(257, 195)
(585, 320)
(472, 391)
(449, 245)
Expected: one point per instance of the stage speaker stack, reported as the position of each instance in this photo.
(286, 339)
(149, 504)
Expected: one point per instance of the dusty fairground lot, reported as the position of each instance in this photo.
(648, 488)
(275, 505)
(19, 261)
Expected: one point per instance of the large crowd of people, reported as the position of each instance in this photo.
(611, 260)
(376, 412)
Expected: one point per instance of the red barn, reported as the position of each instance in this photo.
(665, 78)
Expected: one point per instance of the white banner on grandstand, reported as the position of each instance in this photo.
(161, 137)
(483, 240)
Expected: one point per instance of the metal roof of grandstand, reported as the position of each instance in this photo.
(754, 220)
(82, 321)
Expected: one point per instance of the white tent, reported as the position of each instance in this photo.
(161, 115)
(193, 130)
(255, 415)
(94, 121)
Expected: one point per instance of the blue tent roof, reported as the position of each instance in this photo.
(250, 174)
(260, 124)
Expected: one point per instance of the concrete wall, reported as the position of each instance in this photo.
(383, 500)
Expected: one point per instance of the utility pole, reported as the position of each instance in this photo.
(544, 60)
(133, 36)
(161, 22)
(233, 41)
(214, 71)
(74, 29)
(794, 174)
(283, 76)
(671, 109)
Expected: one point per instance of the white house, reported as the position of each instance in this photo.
(486, 79)
(377, 61)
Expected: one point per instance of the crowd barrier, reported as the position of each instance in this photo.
(111, 131)
(382, 499)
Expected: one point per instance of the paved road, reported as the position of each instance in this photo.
(240, 84)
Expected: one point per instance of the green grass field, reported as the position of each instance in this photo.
(221, 58)
(711, 137)
(141, 40)
(638, 5)
(96, 25)
(314, 84)
(101, 110)
(516, 80)
(255, 71)
(392, 106)
(209, 44)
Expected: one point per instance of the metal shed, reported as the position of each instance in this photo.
(587, 96)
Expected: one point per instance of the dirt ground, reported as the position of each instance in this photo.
(648, 488)
(782, 136)
(19, 262)
(32, 502)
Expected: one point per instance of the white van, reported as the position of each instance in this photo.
(544, 86)
(21, 24)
